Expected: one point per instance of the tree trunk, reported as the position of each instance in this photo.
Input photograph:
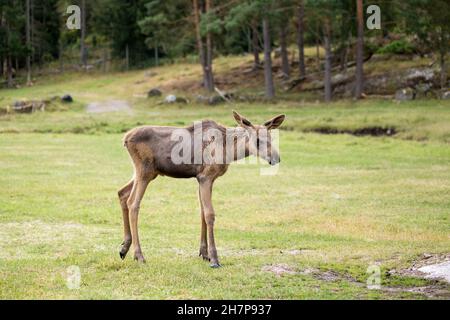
(156, 55)
(2, 69)
(346, 52)
(255, 45)
(2, 72)
(204, 57)
(284, 52)
(443, 70)
(9, 72)
(28, 39)
(105, 59)
(270, 89)
(328, 57)
(32, 30)
(443, 52)
(209, 53)
(127, 58)
(83, 52)
(300, 38)
(318, 51)
(61, 57)
(359, 51)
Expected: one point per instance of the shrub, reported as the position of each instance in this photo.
(398, 47)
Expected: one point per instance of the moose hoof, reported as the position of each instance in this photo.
(203, 252)
(139, 259)
(204, 256)
(215, 265)
(124, 250)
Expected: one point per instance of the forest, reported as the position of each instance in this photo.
(141, 33)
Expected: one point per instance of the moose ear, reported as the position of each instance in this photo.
(241, 120)
(275, 122)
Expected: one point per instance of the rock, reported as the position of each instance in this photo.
(215, 100)
(170, 99)
(422, 89)
(19, 104)
(446, 95)
(174, 99)
(212, 100)
(67, 98)
(201, 99)
(154, 93)
(28, 106)
(405, 95)
(182, 100)
(424, 75)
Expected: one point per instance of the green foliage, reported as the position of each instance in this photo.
(118, 21)
(398, 47)
(11, 30)
(164, 26)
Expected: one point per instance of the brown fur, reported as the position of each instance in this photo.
(150, 151)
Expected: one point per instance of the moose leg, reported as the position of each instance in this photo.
(203, 237)
(124, 194)
(134, 203)
(205, 195)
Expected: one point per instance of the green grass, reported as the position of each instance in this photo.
(339, 203)
(344, 200)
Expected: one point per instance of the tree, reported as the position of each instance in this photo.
(12, 48)
(429, 20)
(285, 67)
(164, 26)
(328, 15)
(83, 49)
(246, 14)
(209, 51)
(328, 59)
(300, 37)
(359, 86)
(281, 19)
(118, 22)
(270, 88)
(28, 37)
(255, 44)
(201, 49)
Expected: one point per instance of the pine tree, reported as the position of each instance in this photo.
(359, 86)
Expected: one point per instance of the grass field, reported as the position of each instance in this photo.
(338, 205)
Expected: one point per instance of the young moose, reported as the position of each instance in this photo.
(151, 150)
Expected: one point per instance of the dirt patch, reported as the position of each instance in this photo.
(437, 291)
(368, 131)
(434, 267)
(108, 106)
(428, 266)
(280, 269)
(437, 271)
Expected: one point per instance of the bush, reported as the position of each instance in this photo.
(398, 47)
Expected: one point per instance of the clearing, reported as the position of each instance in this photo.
(341, 202)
